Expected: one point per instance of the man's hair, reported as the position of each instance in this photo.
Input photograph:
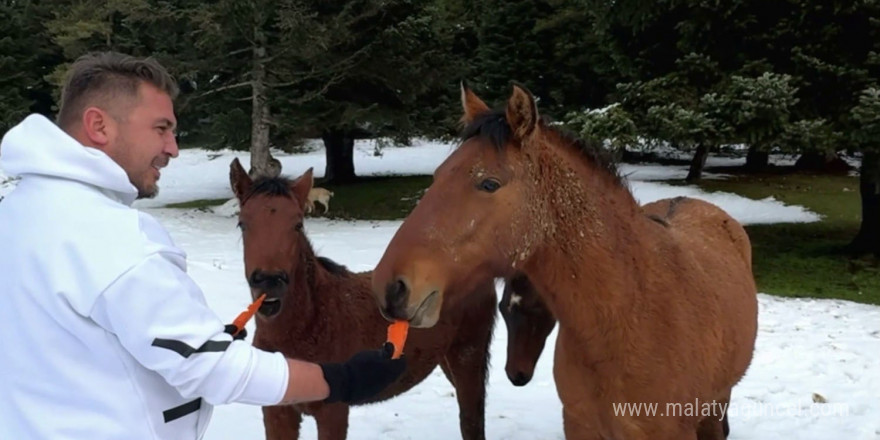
(102, 78)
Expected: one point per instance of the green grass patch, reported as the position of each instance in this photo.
(375, 198)
(808, 259)
(197, 204)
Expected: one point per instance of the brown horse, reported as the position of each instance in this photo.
(317, 310)
(651, 313)
(529, 323)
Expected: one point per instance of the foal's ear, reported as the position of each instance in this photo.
(472, 104)
(239, 179)
(522, 112)
(301, 187)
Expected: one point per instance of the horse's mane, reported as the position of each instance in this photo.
(280, 187)
(332, 266)
(493, 126)
(270, 186)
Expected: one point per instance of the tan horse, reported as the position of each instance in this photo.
(649, 312)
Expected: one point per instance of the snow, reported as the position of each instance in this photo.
(804, 347)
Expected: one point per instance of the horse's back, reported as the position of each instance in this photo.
(702, 220)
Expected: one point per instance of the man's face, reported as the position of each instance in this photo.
(144, 141)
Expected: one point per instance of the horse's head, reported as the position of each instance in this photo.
(529, 323)
(271, 222)
(474, 222)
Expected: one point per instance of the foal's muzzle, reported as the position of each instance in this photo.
(273, 284)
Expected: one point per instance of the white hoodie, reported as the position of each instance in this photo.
(104, 335)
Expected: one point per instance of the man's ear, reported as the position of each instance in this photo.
(302, 186)
(239, 179)
(98, 128)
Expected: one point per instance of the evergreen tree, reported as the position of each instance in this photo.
(866, 136)
(373, 64)
(26, 57)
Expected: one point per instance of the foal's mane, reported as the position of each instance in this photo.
(270, 186)
(280, 187)
(493, 126)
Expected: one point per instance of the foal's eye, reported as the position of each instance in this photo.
(240, 225)
(299, 226)
(490, 185)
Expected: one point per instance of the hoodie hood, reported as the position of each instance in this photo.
(37, 146)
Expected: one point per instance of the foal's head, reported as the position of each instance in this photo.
(529, 323)
(271, 222)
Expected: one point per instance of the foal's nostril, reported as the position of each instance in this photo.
(268, 280)
(396, 293)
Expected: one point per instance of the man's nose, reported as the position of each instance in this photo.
(171, 146)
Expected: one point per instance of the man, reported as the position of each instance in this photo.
(105, 336)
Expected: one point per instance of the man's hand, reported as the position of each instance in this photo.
(363, 376)
(230, 328)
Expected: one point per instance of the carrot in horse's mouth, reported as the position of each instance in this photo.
(246, 315)
(397, 336)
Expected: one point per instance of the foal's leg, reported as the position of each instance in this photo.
(332, 421)
(281, 422)
(466, 365)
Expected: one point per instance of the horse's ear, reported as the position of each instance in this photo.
(473, 106)
(239, 179)
(302, 186)
(522, 112)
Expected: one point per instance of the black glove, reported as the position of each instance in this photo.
(231, 330)
(363, 376)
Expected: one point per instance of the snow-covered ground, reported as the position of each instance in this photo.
(805, 347)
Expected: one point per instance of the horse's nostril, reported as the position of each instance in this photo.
(268, 280)
(396, 293)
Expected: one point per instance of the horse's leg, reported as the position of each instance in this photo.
(281, 422)
(466, 365)
(574, 428)
(332, 421)
(715, 426)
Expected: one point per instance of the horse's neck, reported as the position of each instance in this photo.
(586, 267)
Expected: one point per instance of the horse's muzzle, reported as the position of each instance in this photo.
(274, 284)
(519, 378)
(396, 300)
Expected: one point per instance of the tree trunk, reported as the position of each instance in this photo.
(757, 160)
(697, 164)
(262, 162)
(339, 147)
(822, 162)
(868, 238)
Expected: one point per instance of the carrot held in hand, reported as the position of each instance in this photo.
(397, 336)
(246, 315)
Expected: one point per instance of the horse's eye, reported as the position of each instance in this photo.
(490, 185)
(240, 225)
(299, 226)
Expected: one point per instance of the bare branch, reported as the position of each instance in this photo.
(316, 73)
(227, 87)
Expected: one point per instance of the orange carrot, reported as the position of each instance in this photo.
(397, 336)
(246, 315)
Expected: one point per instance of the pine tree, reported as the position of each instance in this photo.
(866, 135)
(26, 57)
